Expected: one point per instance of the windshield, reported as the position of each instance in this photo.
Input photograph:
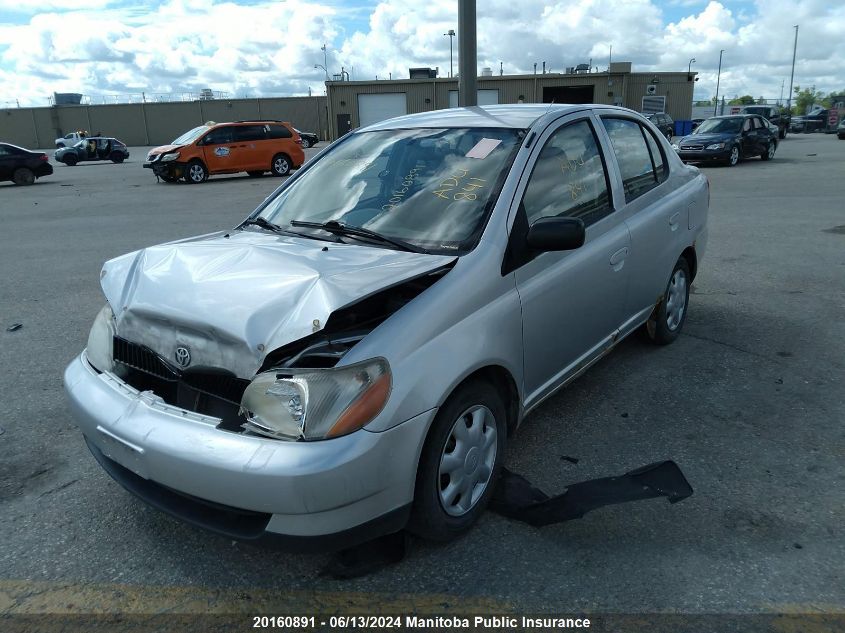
(191, 136)
(433, 188)
(710, 126)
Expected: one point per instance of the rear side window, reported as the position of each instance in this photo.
(278, 131)
(633, 155)
(218, 135)
(569, 178)
(658, 160)
(248, 133)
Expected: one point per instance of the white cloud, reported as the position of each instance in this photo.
(101, 47)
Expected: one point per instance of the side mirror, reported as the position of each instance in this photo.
(556, 234)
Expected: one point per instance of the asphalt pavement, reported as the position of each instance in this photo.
(749, 402)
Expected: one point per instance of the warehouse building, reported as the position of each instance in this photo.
(353, 104)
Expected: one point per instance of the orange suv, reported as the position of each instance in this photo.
(255, 147)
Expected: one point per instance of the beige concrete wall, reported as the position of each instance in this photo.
(154, 123)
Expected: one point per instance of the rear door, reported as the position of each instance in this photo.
(250, 143)
(219, 152)
(7, 162)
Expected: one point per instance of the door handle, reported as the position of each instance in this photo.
(617, 260)
(673, 220)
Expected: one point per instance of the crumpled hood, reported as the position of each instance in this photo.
(163, 149)
(231, 300)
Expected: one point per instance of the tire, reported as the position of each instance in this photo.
(59, 145)
(769, 154)
(782, 134)
(255, 174)
(666, 322)
(195, 172)
(734, 157)
(280, 165)
(437, 513)
(306, 143)
(23, 176)
(116, 157)
(70, 160)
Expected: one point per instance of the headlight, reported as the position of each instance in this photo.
(675, 147)
(716, 146)
(101, 340)
(315, 404)
(169, 157)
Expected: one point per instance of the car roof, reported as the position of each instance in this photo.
(492, 116)
(23, 149)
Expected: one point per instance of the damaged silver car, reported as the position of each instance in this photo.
(353, 357)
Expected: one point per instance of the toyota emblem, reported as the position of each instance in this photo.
(183, 356)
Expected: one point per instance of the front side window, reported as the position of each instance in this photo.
(569, 179)
(431, 187)
(632, 154)
(218, 136)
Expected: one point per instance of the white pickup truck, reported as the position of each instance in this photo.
(68, 140)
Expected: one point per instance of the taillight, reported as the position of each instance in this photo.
(298, 141)
(43, 157)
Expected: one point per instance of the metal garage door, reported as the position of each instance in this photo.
(375, 108)
(485, 97)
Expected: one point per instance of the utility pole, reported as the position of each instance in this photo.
(451, 35)
(780, 101)
(718, 77)
(792, 75)
(467, 64)
(325, 61)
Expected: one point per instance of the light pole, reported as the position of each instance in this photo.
(451, 34)
(325, 60)
(689, 66)
(324, 70)
(792, 75)
(718, 77)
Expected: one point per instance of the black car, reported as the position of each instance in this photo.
(729, 139)
(93, 148)
(22, 166)
(309, 139)
(814, 121)
(664, 123)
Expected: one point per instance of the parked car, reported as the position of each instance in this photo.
(255, 147)
(71, 139)
(664, 123)
(840, 130)
(774, 114)
(352, 358)
(813, 121)
(22, 166)
(93, 148)
(729, 139)
(309, 139)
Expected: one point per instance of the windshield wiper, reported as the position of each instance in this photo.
(264, 223)
(338, 228)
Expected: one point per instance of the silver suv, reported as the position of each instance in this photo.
(355, 355)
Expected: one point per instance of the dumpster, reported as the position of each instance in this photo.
(682, 128)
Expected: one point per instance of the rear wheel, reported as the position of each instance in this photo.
(116, 157)
(280, 165)
(195, 173)
(70, 160)
(460, 462)
(769, 154)
(23, 176)
(665, 323)
(306, 143)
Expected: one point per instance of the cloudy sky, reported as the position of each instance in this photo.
(255, 47)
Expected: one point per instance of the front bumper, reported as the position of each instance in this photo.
(703, 155)
(312, 490)
(171, 169)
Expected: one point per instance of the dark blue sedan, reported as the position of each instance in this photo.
(728, 139)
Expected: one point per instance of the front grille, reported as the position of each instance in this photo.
(207, 390)
(143, 358)
(693, 147)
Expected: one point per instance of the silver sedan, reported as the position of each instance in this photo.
(353, 357)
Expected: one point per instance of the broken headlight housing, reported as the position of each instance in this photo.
(316, 404)
(100, 350)
(170, 156)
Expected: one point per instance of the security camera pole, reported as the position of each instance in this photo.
(467, 65)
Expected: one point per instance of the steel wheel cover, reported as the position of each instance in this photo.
(467, 459)
(676, 300)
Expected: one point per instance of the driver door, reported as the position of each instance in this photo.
(572, 301)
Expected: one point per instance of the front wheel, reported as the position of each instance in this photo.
(306, 143)
(769, 154)
(195, 172)
(460, 462)
(280, 165)
(666, 321)
(23, 176)
(733, 159)
(70, 160)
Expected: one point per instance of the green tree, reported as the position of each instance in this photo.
(743, 100)
(806, 98)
